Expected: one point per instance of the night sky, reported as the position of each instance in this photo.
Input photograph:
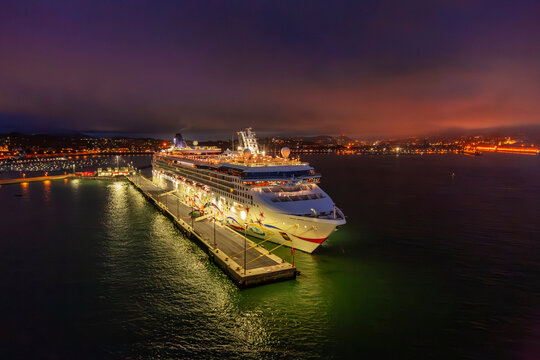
(363, 68)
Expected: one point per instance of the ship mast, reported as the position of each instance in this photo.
(248, 140)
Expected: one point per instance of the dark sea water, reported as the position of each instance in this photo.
(429, 266)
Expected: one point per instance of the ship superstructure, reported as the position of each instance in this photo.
(272, 198)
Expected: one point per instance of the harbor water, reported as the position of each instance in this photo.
(440, 258)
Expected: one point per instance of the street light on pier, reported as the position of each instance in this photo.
(243, 216)
(215, 243)
(192, 216)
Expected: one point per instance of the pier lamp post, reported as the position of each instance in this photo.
(191, 217)
(243, 216)
(215, 243)
(245, 248)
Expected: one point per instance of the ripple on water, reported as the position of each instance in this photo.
(426, 265)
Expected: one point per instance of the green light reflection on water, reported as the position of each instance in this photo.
(155, 293)
(159, 295)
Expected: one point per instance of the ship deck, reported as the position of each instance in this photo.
(228, 247)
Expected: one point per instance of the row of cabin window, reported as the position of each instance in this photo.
(298, 197)
(237, 198)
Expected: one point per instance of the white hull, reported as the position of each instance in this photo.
(301, 233)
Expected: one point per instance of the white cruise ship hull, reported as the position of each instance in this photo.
(263, 222)
(301, 234)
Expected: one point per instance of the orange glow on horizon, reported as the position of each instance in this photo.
(509, 149)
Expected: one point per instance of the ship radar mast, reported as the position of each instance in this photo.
(247, 140)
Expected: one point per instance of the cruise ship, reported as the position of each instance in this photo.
(273, 198)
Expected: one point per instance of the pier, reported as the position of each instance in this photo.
(26, 180)
(245, 262)
(34, 179)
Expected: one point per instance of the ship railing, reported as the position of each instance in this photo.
(325, 215)
(258, 163)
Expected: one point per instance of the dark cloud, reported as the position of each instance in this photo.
(359, 67)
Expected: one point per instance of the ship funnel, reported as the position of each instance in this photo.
(285, 152)
(247, 153)
(179, 141)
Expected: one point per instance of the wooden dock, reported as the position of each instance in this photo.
(224, 246)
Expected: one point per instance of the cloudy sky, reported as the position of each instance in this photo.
(363, 68)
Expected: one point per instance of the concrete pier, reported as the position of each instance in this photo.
(226, 248)
(34, 179)
(58, 177)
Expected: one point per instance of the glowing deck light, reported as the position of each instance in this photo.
(243, 215)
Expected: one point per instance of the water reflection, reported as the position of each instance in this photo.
(420, 282)
(47, 190)
(116, 219)
(170, 278)
(186, 269)
(75, 183)
(25, 190)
